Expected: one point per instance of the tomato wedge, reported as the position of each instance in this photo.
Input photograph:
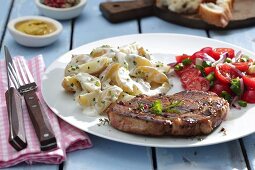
(208, 70)
(225, 73)
(242, 66)
(218, 51)
(198, 54)
(207, 50)
(249, 96)
(188, 75)
(179, 58)
(198, 83)
(249, 81)
(219, 87)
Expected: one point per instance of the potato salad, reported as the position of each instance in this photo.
(109, 74)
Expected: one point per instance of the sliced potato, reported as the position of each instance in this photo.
(123, 80)
(99, 51)
(125, 97)
(87, 99)
(88, 82)
(109, 72)
(94, 66)
(150, 74)
(106, 97)
(142, 61)
(71, 68)
(71, 84)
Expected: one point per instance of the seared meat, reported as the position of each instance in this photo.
(187, 113)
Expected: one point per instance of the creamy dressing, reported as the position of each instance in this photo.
(116, 76)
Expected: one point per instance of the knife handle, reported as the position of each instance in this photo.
(40, 121)
(126, 10)
(17, 136)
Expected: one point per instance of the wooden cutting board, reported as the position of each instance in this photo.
(243, 14)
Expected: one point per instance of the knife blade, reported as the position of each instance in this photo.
(17, 136)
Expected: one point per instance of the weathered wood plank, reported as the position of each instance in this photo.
(4, 12)
(223, 156)
(155, 25)
(51, 52)
(105, 154)
(91, 26)
(244, 38)
(33, 167)
(220, 157)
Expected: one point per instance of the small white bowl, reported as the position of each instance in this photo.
(32, 40)
(61, 13)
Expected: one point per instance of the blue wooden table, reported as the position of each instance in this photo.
(106, 154)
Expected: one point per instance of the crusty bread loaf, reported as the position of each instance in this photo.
(181, 6)
(218, 13)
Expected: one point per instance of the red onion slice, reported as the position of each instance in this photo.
(238, 55)
(241, 74)
(172, 64)
(206, 57)
(234, 103)
(241, 86)
(221, 59)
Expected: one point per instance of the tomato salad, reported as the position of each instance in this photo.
(230, 75)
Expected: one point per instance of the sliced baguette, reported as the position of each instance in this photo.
(218, 13)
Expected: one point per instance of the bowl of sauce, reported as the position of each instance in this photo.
(61, 10)
(35, 31)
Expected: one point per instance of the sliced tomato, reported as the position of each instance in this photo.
(225, 73)
(242, 66)
(249, 96)
(179, 58)
(179, 73)
(189, 74)
(208, 70)
(198, 54)
(198, 83)
(219, 87)
(218, 51)
(207, 50)
(249, 81)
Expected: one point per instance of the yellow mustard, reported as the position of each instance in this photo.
(35, 27)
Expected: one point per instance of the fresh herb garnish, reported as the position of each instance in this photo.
(156, 107)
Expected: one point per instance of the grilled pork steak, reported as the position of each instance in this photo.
(187, 113)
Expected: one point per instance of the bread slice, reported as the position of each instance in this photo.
(180, 6)
(218, 14)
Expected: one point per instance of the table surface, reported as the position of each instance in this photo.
(106, 154)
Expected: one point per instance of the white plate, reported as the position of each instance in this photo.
(239, 123)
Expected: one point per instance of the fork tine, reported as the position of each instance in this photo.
(29, 75)
(24, 76)
(15, 74)
(13, 79)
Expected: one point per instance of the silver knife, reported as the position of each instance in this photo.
(17, 136)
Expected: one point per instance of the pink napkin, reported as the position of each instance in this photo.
(68, 137)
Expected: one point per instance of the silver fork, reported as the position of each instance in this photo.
(24, 82)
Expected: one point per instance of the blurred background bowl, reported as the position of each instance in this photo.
(61, 13)
(34, 40)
